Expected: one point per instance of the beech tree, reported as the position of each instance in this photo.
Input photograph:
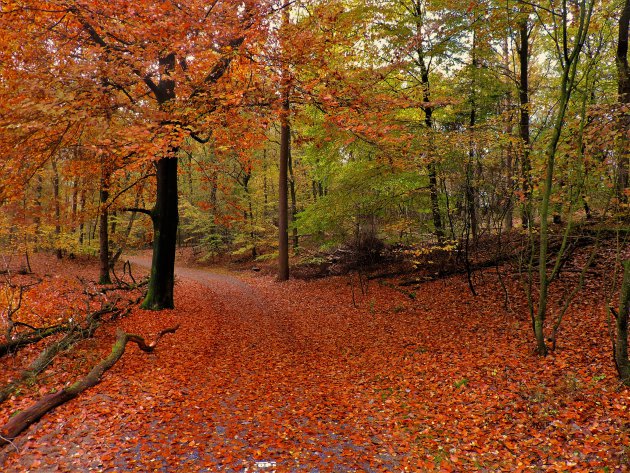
(168, 60)
(568, 48)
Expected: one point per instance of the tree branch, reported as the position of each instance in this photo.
(220, 67)
(22, 420)
(139, 210)
(113, 199)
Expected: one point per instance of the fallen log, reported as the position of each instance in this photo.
(35, 336)
(44, 359)
(22, 420)
(75, 335)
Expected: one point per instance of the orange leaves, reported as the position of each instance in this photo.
(295, 375)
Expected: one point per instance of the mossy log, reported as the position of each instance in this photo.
(34, 336)
(22, 420)
(46, 357)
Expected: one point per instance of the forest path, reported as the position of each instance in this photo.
(200, 275)
(273, 389)
(319, 376)
(259, 377)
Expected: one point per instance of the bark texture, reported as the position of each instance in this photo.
(621, 343)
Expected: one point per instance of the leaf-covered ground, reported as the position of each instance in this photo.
(295, 375)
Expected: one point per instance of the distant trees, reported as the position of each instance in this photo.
(333, 121)
(162, 64)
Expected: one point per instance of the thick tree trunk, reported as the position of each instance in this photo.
(623, 73)
(165, 213)
(283, 204)
(285, 155)
(165, 217)
(621, 342)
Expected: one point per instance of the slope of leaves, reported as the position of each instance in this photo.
(294, 374)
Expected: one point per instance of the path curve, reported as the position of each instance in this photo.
(261, 376)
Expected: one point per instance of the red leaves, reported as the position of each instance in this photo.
(294, 374)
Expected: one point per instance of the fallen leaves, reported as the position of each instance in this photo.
(295, 374)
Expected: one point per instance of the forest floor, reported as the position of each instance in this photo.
(304, 376)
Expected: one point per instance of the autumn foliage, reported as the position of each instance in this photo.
(297, 375)
(449, 177)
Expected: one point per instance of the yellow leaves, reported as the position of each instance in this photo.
(421, 256)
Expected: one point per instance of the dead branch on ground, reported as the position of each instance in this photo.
(22, 420)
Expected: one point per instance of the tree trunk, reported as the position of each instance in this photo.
(623, 83)
(508, 220)
(283, 204)
(214, 187)
(248, 215)
(471, 192)
(523, 95)
(428, 121)
(39, 189)
(296, 242)
(621, 343)
(567, 83)
(165, 217)
(546, 192)
(165, 213)
(265, 185)
(57, 203)
(103, 234)
(252, 231)
(82, 224)
(75, 203)
(283, 178)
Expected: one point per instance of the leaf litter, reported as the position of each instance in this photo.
(267, 376)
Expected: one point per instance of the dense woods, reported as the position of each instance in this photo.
(407, 122)
(442, 136)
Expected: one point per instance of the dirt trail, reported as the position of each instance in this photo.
(238, 388)
(305, 377)
(204, 276)
(247, 306)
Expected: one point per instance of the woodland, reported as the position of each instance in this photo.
(314, 235)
